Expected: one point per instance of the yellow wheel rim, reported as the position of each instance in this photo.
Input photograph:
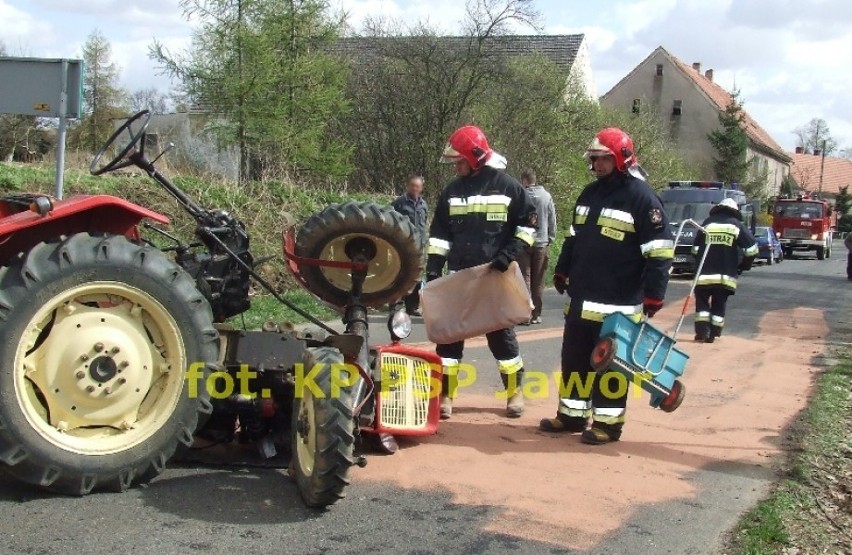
(99, 368)
(306, 433)
(382, 271)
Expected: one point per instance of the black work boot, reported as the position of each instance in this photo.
(562, 423)
(601, 433)
(702, 332)
(512, 383)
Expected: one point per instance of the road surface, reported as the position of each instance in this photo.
(674, 484)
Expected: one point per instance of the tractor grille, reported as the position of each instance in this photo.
(406, 388)
(796, 234)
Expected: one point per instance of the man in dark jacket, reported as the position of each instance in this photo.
(723, 238)
(616, 258)
(412, 205)
(482, 216)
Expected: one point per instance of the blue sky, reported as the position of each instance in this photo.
(789, 58)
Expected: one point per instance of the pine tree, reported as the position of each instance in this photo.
(843, 202)
(259, 69)
(731, 162)
(103, 98)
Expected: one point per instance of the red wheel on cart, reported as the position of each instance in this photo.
(603, 355)
(675, 398)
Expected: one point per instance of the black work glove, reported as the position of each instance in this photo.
(435, 264)
(560, 283)
(745, 265)
(500, 262)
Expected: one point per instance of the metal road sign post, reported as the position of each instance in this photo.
(43, 87)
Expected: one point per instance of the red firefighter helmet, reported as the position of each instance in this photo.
(467, 143)
(615, 142)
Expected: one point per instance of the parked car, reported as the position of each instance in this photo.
(768, 245)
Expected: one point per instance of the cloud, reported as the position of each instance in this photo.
(784, 56)
(23, 34)
(445, 15)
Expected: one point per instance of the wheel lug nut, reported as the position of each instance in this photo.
(90, 388)
(107, 390)
(84, 357)
(115, 350)
(99, 347)
(80, 374)
(122, 380)
(124, 364)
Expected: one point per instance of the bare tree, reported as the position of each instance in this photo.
(411, 87)
(815, 135)
(149, 99)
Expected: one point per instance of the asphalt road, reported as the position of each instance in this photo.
(215, 510)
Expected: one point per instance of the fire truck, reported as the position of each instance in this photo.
(803, 223)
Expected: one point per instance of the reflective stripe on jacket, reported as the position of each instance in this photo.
(724, 238)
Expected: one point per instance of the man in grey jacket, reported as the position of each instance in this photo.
(533, 260)
(412, 205)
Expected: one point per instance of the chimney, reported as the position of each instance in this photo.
(800, 150)
(709, 74)
(696, 66)
(817, 152)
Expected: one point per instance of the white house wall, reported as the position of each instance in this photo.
(698, 116)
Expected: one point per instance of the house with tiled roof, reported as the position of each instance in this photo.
(825, 176)
(689, 102)
(569, 53)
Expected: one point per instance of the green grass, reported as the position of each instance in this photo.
(807, 509)
(267, 308)
(266, 208)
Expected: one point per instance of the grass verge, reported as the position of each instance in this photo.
(810, 509)
(264, 207)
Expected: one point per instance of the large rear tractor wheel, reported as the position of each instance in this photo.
(396, 265)
(323, 430)
(820, 252)
(98, 334)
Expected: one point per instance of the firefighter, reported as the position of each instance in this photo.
(616, 258)
(724, 237)
(482, 216)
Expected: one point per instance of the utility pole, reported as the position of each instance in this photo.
(821, 168)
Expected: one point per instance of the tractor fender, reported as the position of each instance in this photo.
(21, 230)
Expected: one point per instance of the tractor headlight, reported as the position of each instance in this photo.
(814, 237)
(399, 325)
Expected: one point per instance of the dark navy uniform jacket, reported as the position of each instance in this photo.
(618, 249)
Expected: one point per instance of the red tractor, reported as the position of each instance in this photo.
(116, 355)
(803, 223)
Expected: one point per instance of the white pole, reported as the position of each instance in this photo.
(60, 140)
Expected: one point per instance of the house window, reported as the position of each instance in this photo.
(636, 105)
(677, 107)
(659, 70)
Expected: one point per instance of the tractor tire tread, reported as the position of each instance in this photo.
(38, 461)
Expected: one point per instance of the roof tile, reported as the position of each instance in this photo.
(836, 173)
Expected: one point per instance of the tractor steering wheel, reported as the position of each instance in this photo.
(121, 159)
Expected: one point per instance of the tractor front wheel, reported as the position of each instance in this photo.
(98, 335)
(323, 429)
